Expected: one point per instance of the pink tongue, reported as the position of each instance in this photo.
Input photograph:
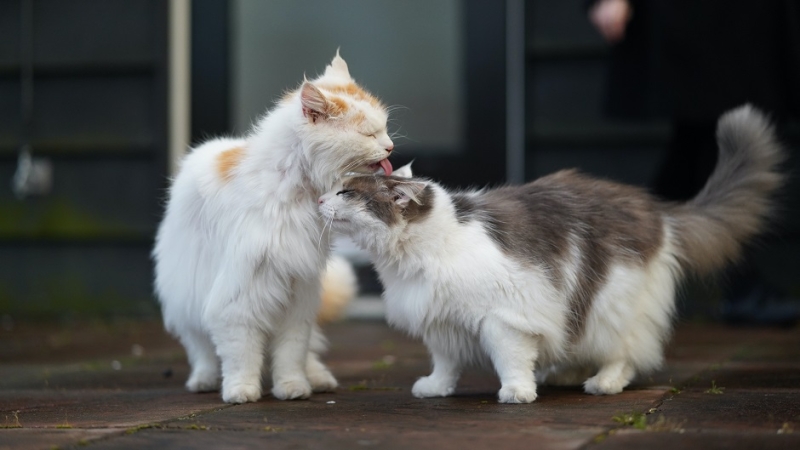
(387, 167)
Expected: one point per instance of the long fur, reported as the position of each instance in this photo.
(339, 287)
(568, 276)
(239, 252)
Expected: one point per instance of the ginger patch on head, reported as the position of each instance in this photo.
(353, 91)
(338, 106)
(227, 161)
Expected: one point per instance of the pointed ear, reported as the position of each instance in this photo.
(408, 191)
(315, 105)
(337, 67)
(404, 172)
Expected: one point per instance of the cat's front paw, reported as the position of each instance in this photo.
(600, 385)
(322, 381)
(517, 394)
(241, 393)
(427, 387)
(292, 389)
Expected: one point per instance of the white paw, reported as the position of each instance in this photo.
(203, 381)
(517, 394)
(241, 393)
(430, 387)
(598, 385)
(292, 389)
(322, 381)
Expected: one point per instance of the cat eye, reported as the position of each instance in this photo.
(344, 192)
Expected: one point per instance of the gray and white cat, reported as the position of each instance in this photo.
(568, 276)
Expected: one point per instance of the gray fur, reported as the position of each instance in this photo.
(546, 222)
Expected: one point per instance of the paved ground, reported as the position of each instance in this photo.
(119, 386)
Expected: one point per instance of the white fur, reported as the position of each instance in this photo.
(238, 260)
(451, 285)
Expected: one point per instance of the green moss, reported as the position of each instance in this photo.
(634, 419)
(381, 365)
(359, 387)
(57, 218)
(13, 421)
(69, 293)
(362, 386)
(715, 389)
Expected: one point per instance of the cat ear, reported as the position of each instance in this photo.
(337, 67)
(315, 105)
(403, 172)
(407, 191)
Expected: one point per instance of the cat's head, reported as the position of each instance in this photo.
(374, 210)
(343, 127)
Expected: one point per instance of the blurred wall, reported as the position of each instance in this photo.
(99, 115)
(409, 53)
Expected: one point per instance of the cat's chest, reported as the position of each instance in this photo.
(408, 300)
(289, 240)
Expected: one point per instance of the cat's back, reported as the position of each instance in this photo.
(189, 217)
(209, 165)
(544, 218)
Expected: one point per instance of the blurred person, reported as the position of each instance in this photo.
(690, 61)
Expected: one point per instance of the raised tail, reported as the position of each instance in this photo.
(738, 199)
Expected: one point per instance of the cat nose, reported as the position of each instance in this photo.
(390, 148)
(321, 200)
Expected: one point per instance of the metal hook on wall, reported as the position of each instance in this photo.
(34, 176)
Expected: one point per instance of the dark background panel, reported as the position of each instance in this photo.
(53, 280)
(566, 90)
(560, 24)
(93, 32)
(9, 33)
(633, 165)
(94, 198)
(72, 111)
(10, 113)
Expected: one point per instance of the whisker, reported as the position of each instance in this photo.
(396, 107)
(322, 233)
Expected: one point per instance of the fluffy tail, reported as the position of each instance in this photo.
(339, 287)
(737, 200)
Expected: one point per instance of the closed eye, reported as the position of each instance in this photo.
(344, 192)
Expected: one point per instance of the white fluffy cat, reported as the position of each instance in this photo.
(240, 249)
(570, 276)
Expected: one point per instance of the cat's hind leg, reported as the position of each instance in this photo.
(513, 354)
(446, 371)
(319, 376)
(205, 375)
(610, 379)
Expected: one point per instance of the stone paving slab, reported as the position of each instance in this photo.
(533, 437)
(713, 440)
(29, 438)
(127, 392)
(103, 408)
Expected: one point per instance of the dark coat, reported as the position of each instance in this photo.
(694, 59)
